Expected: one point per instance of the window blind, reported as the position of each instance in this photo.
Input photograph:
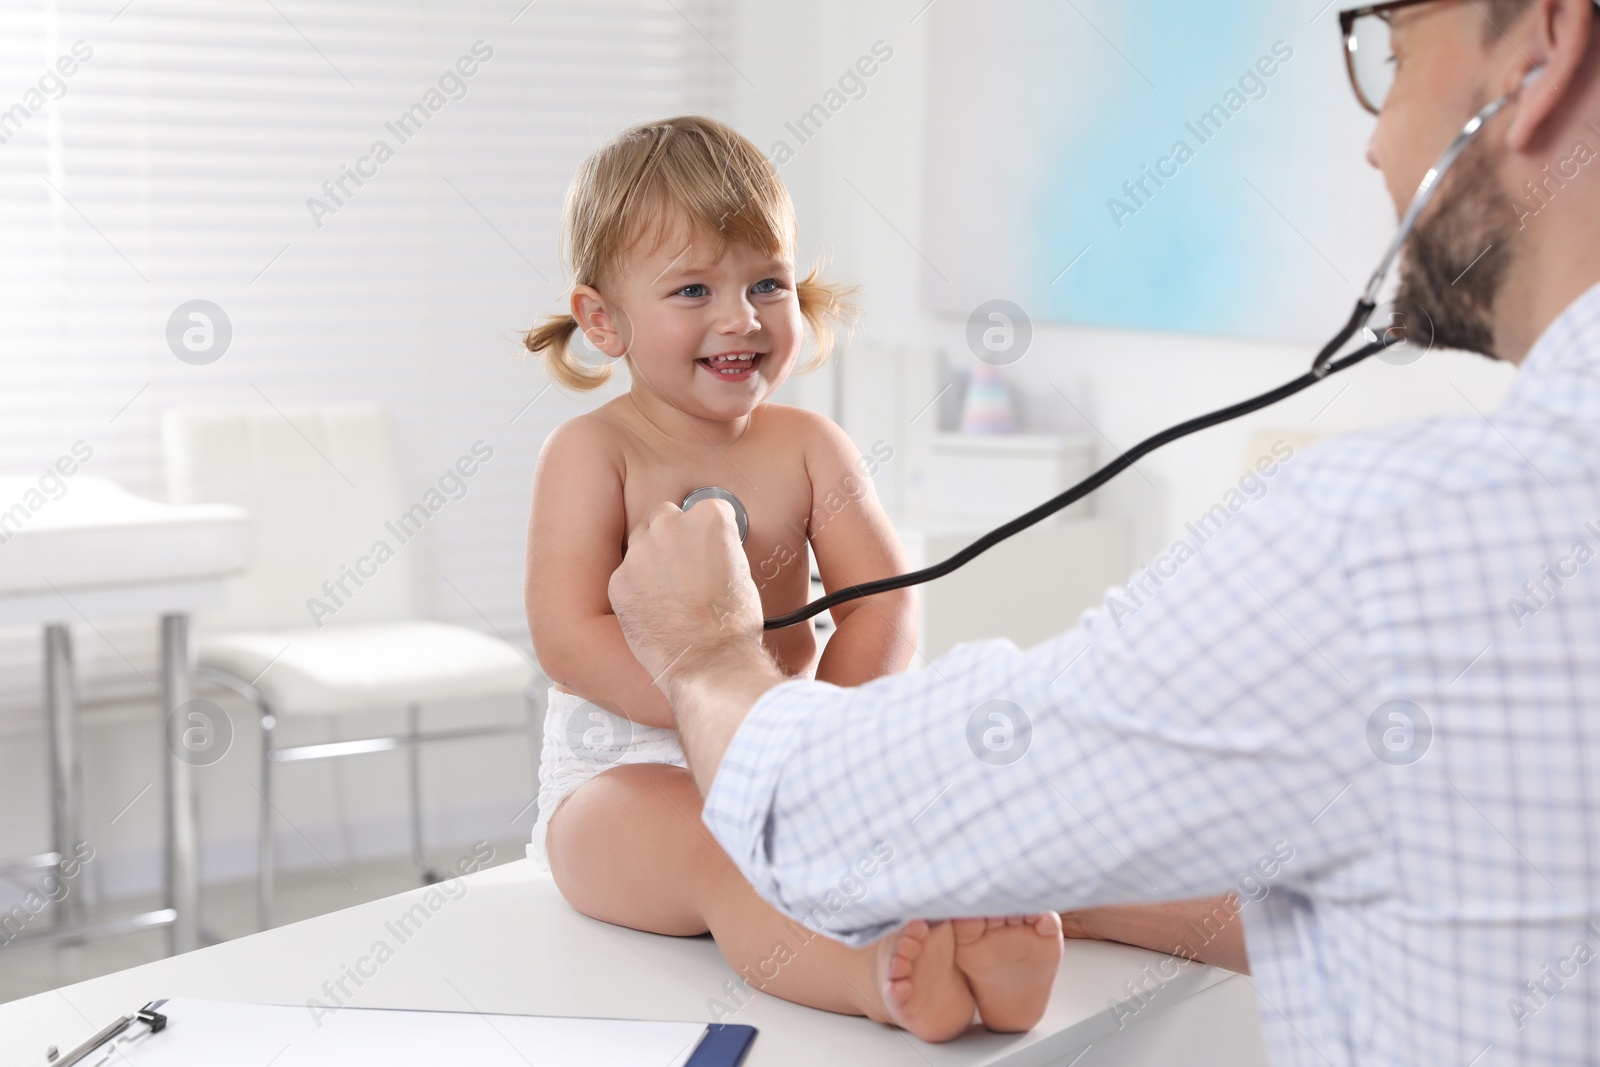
(368, 191)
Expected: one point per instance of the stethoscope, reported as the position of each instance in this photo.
(1323, 366)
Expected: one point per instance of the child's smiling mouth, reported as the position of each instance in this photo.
(732, 366)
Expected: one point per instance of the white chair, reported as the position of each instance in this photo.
(323, 621)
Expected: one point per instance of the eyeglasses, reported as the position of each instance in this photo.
(1368, 55)
(1367, 52)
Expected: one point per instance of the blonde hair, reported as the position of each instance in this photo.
(720, 180)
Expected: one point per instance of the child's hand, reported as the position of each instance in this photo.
(684, 589)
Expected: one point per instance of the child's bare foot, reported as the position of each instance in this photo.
(1010, 966)
(923, 990)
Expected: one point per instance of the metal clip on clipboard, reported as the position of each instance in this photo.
(153, 1021)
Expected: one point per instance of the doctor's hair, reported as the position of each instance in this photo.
(627, 194)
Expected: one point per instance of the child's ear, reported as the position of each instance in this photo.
(590, 311)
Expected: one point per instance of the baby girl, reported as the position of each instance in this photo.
(681, 241)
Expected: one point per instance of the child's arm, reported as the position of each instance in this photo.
(575, 537)
(855, 542)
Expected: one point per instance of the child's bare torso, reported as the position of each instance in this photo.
(765, 468)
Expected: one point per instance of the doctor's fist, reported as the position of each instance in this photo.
(684, 590)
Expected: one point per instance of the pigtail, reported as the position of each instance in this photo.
(554, 338)
(826, 307)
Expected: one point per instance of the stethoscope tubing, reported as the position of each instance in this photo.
(1083, 488)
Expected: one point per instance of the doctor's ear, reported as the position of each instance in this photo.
(596, 321)
(1557, 36)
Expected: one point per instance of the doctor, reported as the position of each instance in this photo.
(1370, 706)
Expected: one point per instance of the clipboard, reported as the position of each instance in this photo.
(200, 1033)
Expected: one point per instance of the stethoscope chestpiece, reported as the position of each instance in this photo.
(712, 492)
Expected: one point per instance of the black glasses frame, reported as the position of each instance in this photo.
(1347, 30)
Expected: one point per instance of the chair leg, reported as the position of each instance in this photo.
(66, 775)
(419, 853)
(264, 842)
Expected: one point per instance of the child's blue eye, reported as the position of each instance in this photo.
(760, 286)
(685, 291)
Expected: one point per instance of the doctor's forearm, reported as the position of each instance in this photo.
(711, 694)
(1206, 930)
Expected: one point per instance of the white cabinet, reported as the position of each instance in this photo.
(1028, 588)
(1033, 585)
(994, 478)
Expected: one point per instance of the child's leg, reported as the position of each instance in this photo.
(628, 847)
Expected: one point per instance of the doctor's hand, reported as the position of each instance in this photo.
(683, 593)
(692, 617)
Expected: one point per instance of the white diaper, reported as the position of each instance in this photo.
(581, 740)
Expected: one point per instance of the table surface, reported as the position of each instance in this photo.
(506, 942)
(99, 539)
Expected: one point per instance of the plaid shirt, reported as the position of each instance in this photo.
(1367, 703)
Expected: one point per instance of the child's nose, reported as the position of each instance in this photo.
(740, 317)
